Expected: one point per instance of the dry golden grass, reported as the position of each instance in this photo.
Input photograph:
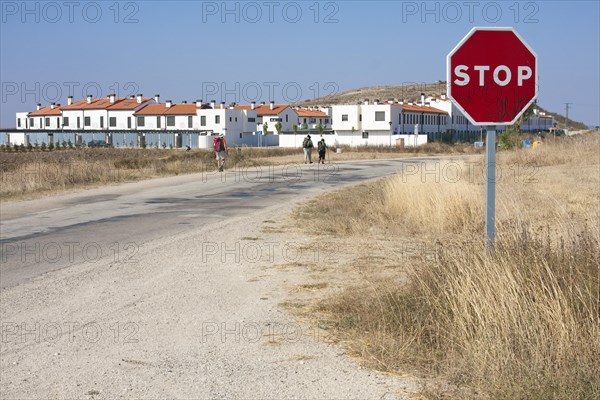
(38, 173)
(521, 323)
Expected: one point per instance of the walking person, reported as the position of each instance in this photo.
(220, 147)
(307, 145)
(322, 149)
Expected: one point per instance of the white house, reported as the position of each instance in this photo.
(93, 114)
(120, 115)
(22, 120)
(47, 118)
(312, 117)
(167, 116)
(274, 113)
(384, 124)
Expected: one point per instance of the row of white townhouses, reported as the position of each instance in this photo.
(127, 121)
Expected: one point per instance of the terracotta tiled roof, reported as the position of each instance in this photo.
(104, 103)
(266, 109)
(419, 108)
(46, 112)
(181, 109)
(311, 113)
(127, 104)
(161, 109)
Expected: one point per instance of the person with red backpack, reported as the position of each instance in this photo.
(220, 147)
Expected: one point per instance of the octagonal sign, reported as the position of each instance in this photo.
(492, 76)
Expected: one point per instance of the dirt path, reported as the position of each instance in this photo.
(197, 315)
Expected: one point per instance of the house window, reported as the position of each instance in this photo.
(344, 117)
(87, 121)
(235, 119)
(326, 120)
(171, 120)
(251, 119)
(140, 121)
(47, 121)
(230, 119)
(65, 121)
(101, 122)
(58, 122)
(286, 118)
(18, 122)
(203, 120)
(379, 115)
(128, 122)
(78, 122)
(112, 121)
(190, 121)
(31, 124)
(217, 119)
(365, 135)
(305, 119)
(158, 121)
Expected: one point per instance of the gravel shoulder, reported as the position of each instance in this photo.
(201, 314)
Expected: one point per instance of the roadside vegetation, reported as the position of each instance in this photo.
(420, 296)
(38, 170)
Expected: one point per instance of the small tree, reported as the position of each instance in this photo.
(265, 127)
(295, 129)
(511, 137)
(305, 126)
(164, 145)
(70, 144)
(278, 127)
(51, 146)
(64, 144)
(57, 147)
(320, 128)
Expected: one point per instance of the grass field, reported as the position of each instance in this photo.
(38, 173)
(420, 295)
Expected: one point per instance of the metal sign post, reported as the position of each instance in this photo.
(490, 187)
(492, 79)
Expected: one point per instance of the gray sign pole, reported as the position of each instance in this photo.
(490, 187)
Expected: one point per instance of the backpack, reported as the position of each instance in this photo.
(218, 144)
(321, 146)
(307, 143)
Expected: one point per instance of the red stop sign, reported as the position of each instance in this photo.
(492, 76)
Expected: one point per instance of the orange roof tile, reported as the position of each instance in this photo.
(46, 111)
(162, 109)
(127, 104)
(104, 103)
(181, 109)
(419, 108)
(266, 109)
(311, 113)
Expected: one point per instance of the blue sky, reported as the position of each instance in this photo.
(277, 50)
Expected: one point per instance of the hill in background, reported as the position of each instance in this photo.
(408, 93)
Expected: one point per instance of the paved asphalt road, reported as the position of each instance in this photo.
(42, 235)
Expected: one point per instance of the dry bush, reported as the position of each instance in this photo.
(520, 323)
(572, 150)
